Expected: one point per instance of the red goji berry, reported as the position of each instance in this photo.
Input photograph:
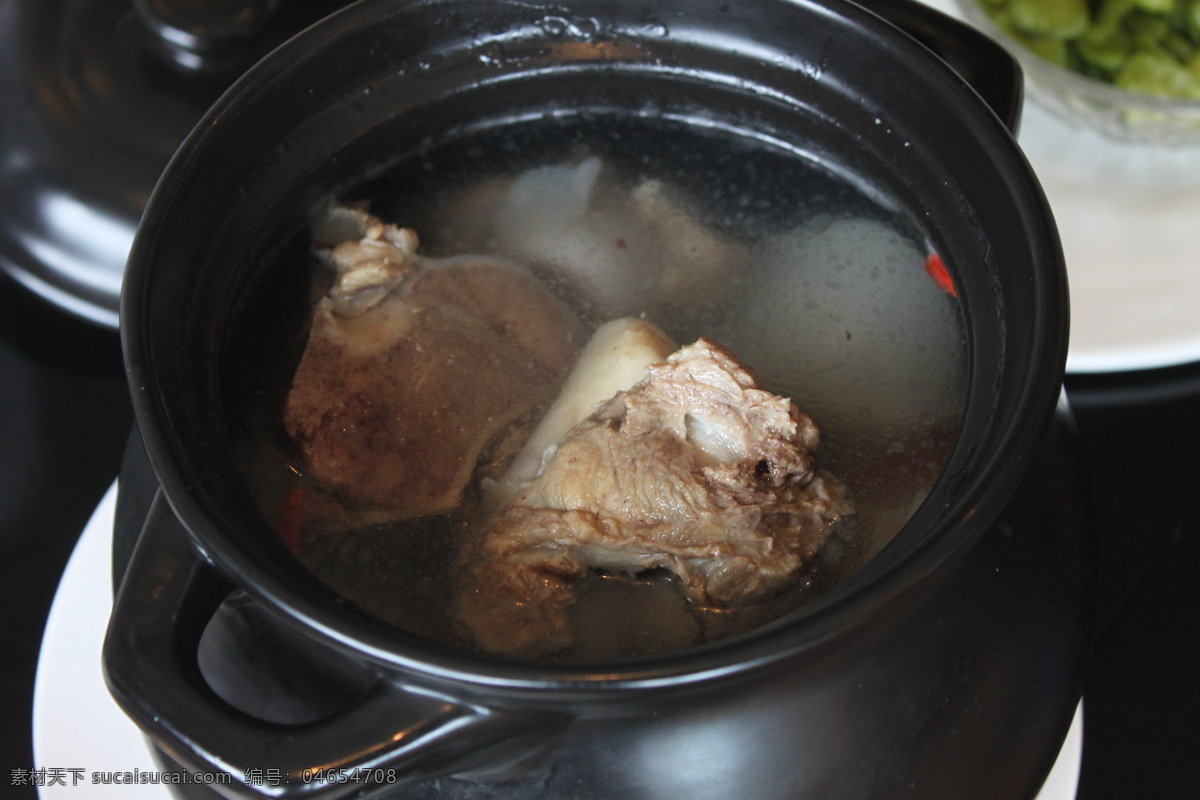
(941, 276)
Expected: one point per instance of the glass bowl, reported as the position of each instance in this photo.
(1118, 113)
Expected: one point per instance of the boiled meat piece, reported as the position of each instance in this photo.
(695, 469)
(696, 264)
(416, 368)
(621, 248)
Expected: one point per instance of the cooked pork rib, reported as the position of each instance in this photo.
(414, 366)
(695, 469)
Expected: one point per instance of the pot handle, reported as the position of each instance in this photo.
(150, 662)
(984, 64)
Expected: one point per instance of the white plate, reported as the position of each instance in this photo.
(1128, 215)
(79, 730)
(76, 723)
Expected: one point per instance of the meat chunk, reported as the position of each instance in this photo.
(695, 469)
(414, 367)
(696, 264)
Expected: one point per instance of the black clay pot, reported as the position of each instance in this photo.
(948, 667)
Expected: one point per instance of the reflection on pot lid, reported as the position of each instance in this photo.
(95, 95)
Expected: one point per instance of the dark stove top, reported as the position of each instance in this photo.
(65, 420)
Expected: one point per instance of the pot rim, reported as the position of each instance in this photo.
(945, 531)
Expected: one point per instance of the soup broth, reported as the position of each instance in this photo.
(804, 271)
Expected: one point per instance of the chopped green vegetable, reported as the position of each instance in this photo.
(1149, 46)
(1061, 19)
(1107, 16)
(1053, 50)
(1105, 55)
(1189, 16)
(1153, 74)
(1156, 6)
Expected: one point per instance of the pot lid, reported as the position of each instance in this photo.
(95, 95)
